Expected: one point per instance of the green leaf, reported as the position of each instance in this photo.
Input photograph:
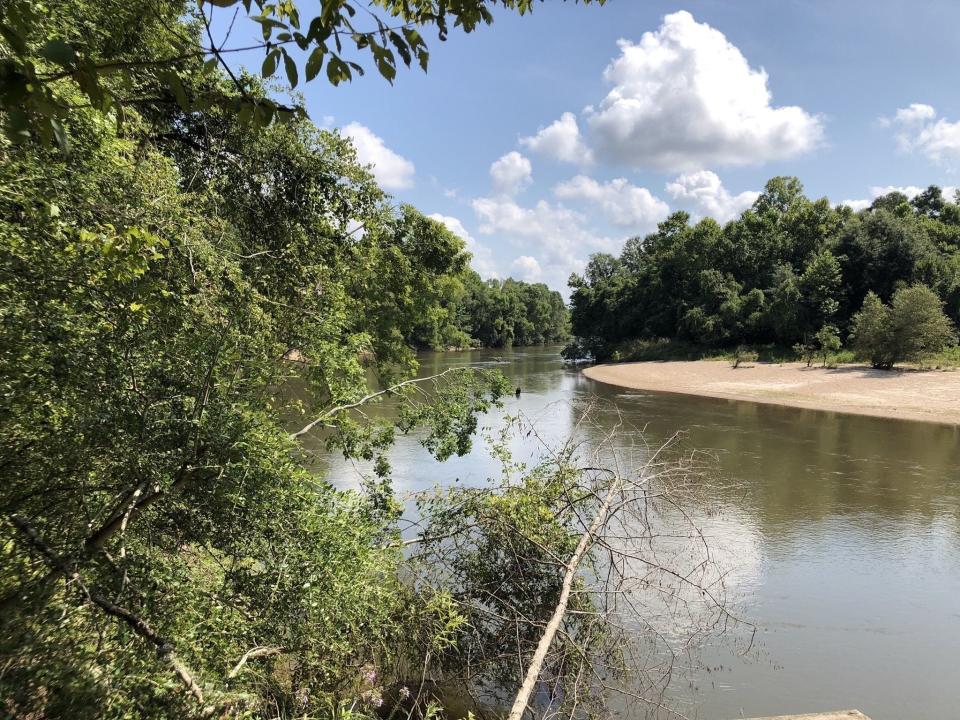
(18, 126)
(291, 67)
(14, 39)
(269, 66)
(59, 134)
(245, 113)
(315, 62)
(179, 91)
(337, 70)
(59, 52)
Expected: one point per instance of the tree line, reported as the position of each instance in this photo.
(790, 271)
(493, 313)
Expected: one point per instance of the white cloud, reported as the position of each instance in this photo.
(622, 204)
(511, 173)
(911, 191)
(708, 195)
(561, 141)
(559, 238)
(527, 268)
(392, 171)
(920, 130)
(915, 113)
(684, 97)
(857, 205)
(482, 260)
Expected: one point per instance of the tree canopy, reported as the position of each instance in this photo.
(784, 270)
(56, 56)
(161, 286)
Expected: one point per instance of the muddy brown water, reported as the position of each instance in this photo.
(842, 533)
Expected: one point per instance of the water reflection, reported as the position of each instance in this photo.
(841, 532)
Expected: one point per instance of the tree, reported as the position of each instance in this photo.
(787, 267)
(48, 63)
(911, 328)
(918, 325)
(162, 536)
(870, 332)
(828, 341)
(819, 286)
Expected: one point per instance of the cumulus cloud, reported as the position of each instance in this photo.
(560, 140)
(527, 268)
(913, 113)
(911, 191)
(684, 97)
(709, 198)
(622, 203)
(560, 239)
(511, 173)
(857, 205)
(921, 130)
(392, 171)
(482, 260)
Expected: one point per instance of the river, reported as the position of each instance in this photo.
(842, 532)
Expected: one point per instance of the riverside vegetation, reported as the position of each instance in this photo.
(170, 233)
(791, 276)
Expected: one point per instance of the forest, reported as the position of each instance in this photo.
(171, 235)
(787, 270)
(474, 312)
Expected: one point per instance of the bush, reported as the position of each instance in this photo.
(911, 328)
(743, 355)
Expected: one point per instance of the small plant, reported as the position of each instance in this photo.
(828, 342)
(806, 350)
(743, 355)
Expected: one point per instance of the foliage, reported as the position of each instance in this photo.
(492, 313)
(742, 355)
(47, 62)
(786, 268)
(164, 549)
(912, 327)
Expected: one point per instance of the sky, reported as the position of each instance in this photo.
(545, 138)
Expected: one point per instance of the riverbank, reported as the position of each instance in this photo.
(928, 396)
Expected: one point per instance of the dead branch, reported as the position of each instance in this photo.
(259, 651)
(536, 663)
(372, 396)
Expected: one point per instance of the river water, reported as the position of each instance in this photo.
(842, 534)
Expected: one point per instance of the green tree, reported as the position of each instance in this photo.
(48, 62)
(912, 327)
(819, 287)
(870, 332)
(828, 342)
(161, 291)
(787, 267)
(918, 325)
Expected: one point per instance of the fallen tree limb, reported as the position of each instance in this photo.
(259, 651)
(546, 640)
(367, 398)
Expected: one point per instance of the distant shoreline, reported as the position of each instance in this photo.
(925, 396)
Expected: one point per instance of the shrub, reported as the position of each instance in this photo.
(743, 355)
(911, 328)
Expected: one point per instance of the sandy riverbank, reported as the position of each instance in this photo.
(930, 396)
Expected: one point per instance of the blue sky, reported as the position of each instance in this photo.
(545, 138)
